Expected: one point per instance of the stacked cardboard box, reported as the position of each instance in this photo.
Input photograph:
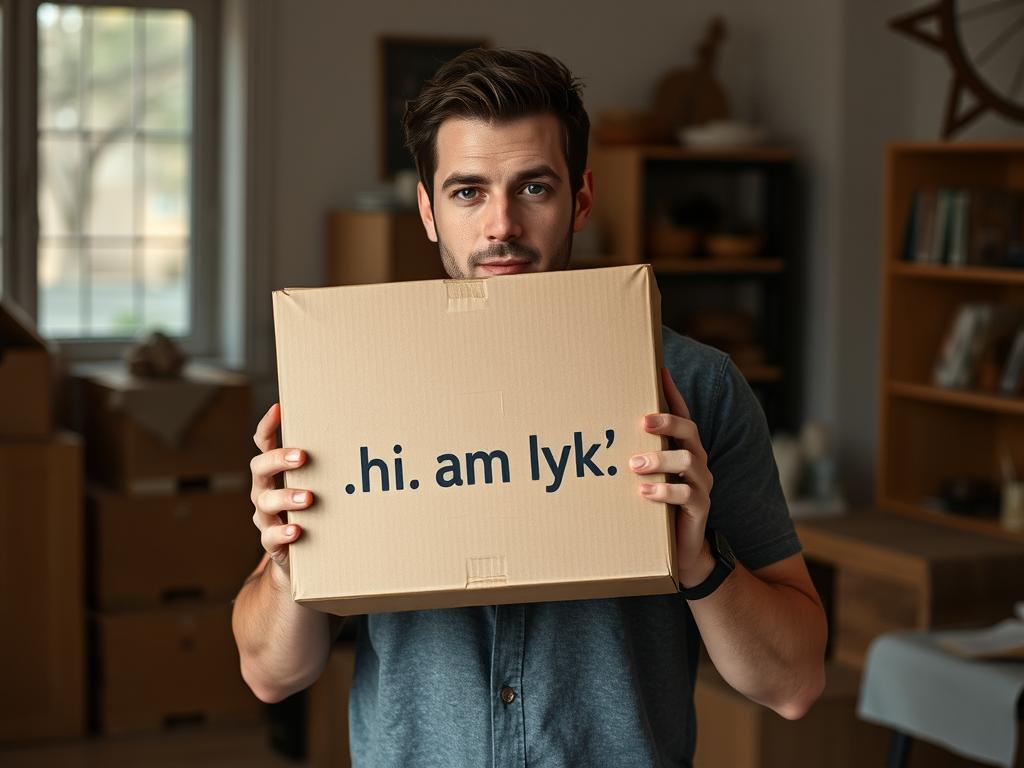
(170, 542)
(43, 642)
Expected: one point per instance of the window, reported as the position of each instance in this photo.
(122, 135)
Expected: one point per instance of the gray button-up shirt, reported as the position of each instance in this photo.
(606, 682)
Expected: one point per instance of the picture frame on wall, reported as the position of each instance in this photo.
(406, 63)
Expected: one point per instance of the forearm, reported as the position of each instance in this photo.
(766, 640)
(282, 645)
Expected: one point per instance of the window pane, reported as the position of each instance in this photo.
(60, 61)
(167, 86)
(166, 210)
(110, 195)
(109, 85)
(111, 287)
(59, 185)
(60, 307)
(116, 170)
(166, 295)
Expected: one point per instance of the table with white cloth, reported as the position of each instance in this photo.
(921, 691)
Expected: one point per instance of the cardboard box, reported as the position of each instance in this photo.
(469, 440)
(138, 543)
(169, 666)
(42, 600)
(158, 436)
(26, 377)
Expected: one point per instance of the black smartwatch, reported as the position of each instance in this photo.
(725, 563)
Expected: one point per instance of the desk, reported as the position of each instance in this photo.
(916, 688)
(882, 572)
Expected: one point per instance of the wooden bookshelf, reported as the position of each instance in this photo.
(755, 184)
(930, 435)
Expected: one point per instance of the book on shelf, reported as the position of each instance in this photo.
(1013, 372)
(958, 245)
(976, 226)
(977, 340)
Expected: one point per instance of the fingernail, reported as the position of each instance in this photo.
(646, 489)
(652, 420)
(292, 456)
(289, 531)
(299, 497)
(638, 462)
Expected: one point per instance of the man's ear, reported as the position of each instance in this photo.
(426, 212)
(584, 202)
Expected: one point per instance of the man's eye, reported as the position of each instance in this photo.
(465, 194)
(535, 189)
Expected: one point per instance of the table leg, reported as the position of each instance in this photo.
(899, 750)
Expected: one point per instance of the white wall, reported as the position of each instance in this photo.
(826, 76)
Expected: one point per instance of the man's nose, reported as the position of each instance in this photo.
(502, 222)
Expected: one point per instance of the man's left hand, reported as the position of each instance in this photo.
(691, 493)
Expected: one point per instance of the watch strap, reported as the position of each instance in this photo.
(724, 565)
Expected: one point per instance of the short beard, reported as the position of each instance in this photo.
(510, 248)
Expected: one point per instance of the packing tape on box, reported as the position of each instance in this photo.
(466, 295)
(487, 571)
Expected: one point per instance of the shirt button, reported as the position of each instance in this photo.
(508, 695)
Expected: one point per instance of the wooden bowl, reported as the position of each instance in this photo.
(733, 246)
(671, 242)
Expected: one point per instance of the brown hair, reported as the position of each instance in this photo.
(494, 84)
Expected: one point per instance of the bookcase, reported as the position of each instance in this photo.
(741, 288)
(931, 436)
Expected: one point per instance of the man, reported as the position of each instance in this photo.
(500, 141)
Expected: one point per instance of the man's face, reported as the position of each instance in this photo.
(503, 203)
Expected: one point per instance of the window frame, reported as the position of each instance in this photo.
(22, 233)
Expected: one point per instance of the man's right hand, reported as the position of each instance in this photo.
(271, 502)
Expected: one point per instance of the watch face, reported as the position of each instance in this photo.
(725, 552)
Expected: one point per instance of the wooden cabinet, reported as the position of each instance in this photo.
(930, 436)
(670, 206)
(880, 572)
(379, 247)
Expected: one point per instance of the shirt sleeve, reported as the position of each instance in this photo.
(747, 504)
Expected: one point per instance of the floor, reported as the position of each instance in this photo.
(194, 747)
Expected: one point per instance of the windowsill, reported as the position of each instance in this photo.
(91, 367)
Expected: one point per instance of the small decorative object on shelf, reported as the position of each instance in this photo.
(721, 134)
(693, 96)
(968, 497)
(807, 472)
(668, 239)
(726, 245)
(1011, 508)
